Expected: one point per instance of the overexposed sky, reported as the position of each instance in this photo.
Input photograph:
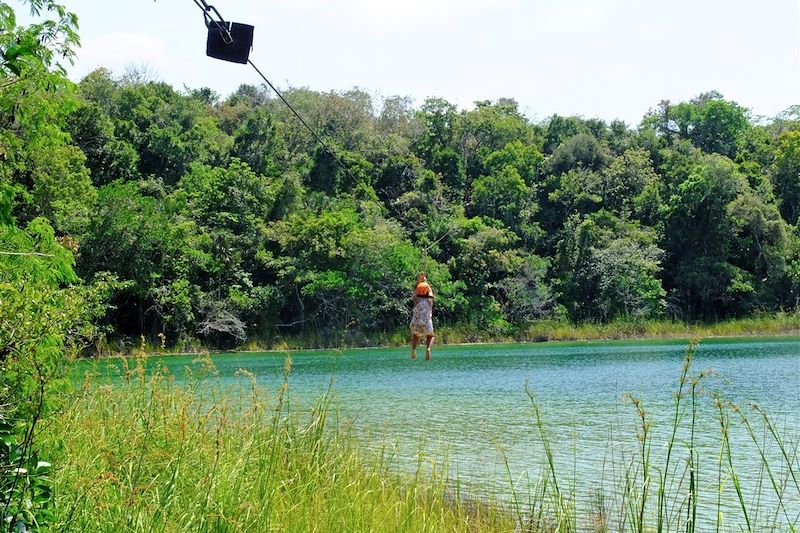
(610, 59)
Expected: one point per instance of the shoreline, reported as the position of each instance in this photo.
(222, 448)
(449, 336)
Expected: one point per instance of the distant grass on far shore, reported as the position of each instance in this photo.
(779, 324)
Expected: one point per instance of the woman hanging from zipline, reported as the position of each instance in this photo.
(422, 317)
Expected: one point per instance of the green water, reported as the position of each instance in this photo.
(469, 405)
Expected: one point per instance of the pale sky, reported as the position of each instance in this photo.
(610, 59)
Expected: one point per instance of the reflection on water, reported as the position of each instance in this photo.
(469, 404)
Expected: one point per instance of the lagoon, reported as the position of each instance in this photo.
(468, 408)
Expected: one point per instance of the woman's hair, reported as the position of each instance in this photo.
(423, 289)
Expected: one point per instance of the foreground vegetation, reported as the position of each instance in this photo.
(140, 453)
(145, 454)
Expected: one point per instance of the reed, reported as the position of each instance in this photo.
(778, 487)
(138, 452)
(563, 502)
(671, 471)
(145, 454)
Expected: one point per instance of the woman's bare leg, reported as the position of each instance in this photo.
(414, 342)
(428, 344)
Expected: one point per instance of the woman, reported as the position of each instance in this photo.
(422, 317)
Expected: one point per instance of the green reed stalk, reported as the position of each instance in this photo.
(600, 514)
(540, 518)
(565, 517)
(642, 433)
(277, 420)
(662, 503)
(622, 507)
(717, 403)
(726, 447)
(514, 498)
(694, 459)
(765, 464)
(781, 445)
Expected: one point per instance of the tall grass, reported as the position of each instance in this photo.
(658, 487)
(148, 455)
(763, 325)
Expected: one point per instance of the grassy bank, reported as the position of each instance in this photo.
(147, 455)
(767, 325)
(780, 324)
(144, 454)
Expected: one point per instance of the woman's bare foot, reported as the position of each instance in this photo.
(427, 355)
(413, 354)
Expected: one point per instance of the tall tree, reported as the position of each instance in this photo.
(786, 175)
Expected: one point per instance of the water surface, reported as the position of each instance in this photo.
(469, 404)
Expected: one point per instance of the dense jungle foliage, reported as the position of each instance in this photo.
(221, 219)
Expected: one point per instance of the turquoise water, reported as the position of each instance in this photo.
(469, 405)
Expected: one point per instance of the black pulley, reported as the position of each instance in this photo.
(229, 41)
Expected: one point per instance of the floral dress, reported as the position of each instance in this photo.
(422, 317)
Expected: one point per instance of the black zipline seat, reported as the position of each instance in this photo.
(235, 48)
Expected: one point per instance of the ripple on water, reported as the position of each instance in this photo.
(469, 404)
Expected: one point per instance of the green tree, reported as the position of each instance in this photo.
(562, 196)
(718, 125)
(35, 99)
(629, 186)
(107, 157)
(256, 142)
(582, 151)
(339, 266)
(488, 128)
(526, 295)
(435, 144)
(503, 196)
(328, 175)
(699, 240)
(760, 248)
(559, 129)
(786, 175)
(59, 183)
(396, 177)
(170, 131)
(439, 120)
(395, 127)
(46, 317)
(484, 253)
(609, 268)
(132, 236)
(710, 122)
(525, 159)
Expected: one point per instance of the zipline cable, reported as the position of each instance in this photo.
(226, 35)
(424, 257)
(300, 118)
(220, 24)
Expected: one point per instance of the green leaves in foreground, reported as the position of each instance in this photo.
(45, 318)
